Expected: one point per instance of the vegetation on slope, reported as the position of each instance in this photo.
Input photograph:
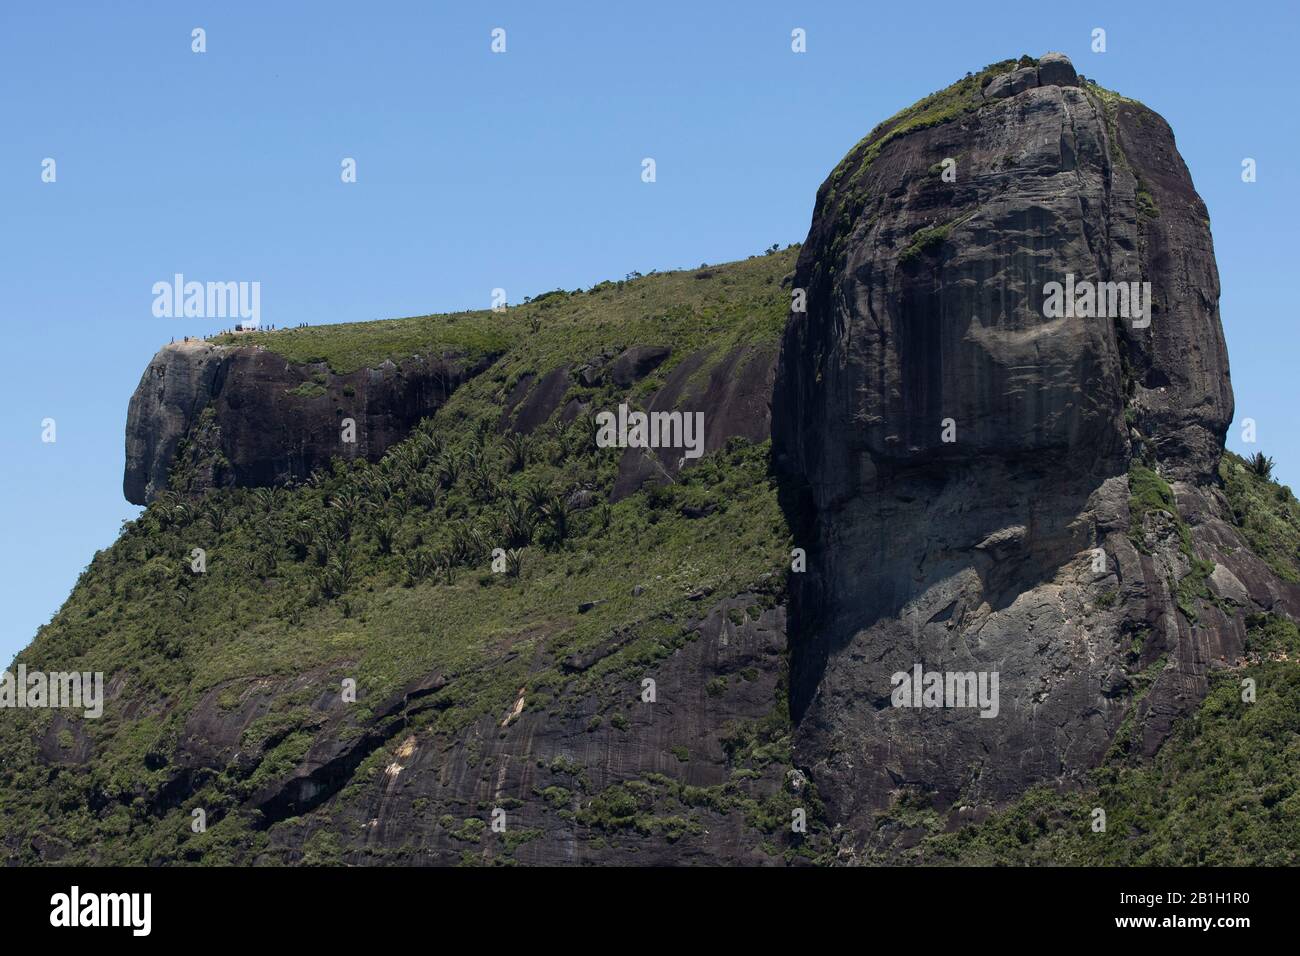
(382, 572)
(846, 190)
(1223, 790)
(736, 303)
(939, 107)
(1266, 513)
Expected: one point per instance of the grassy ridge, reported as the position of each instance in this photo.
(734, 303)
(382, 572)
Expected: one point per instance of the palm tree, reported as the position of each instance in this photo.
(537, 497)
(267, 499)
(430, 445)
(169, 508)
(557, 512)
(449, 469)
(516, 448)
(419, 565)
(261, 561)
(468, 544)
(424, 490)
(579, 438)
(217, 512)
(516, 524)
(445, 562)
(482, 484)
(384, 528)
(336, 576)
(514, 562)
(1261, 465)
(301, 539)
(345, 508)
(401, 505)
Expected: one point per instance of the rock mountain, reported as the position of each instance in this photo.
(1014, 548)
(471, 614)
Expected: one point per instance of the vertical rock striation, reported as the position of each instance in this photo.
(244, 416)
(958, 463)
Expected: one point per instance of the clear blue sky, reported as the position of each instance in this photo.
(519, 170)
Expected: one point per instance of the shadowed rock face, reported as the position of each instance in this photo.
(734, 396)
(530, 756)
(925, 321)
(1011, 549)
(271, 421)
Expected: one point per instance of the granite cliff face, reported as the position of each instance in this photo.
(269, 421)
(962, 463)
(485, 612)
(245, 417)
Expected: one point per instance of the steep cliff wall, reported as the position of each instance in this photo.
(970, 473)
(270, 421)
(979, 487)
(477, 686)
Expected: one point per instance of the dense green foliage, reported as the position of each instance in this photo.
(1267, 514)
(381, 572)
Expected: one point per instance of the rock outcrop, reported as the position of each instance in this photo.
(245, 416)
(982, 484)
(732, 390)
(959, 459)
(538, 755)
(238, 416)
